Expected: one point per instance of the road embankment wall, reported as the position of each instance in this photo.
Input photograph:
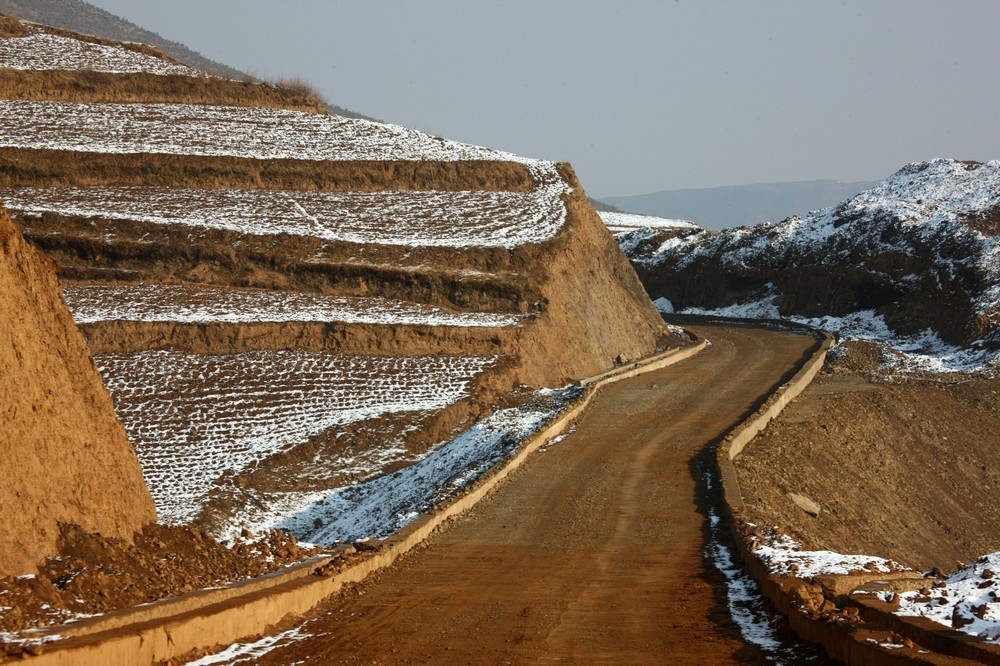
(846, 641)
(210, 619)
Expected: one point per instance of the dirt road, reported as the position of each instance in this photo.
(590, 553)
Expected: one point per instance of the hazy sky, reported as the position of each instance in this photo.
(639, 96)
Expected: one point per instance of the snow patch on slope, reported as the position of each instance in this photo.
(969, 601)
(381, 506)
(620, 223)
(783, 555)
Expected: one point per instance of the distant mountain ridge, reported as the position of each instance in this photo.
(85, 18)
(740, 205)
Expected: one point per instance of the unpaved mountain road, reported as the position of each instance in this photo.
(592, 552)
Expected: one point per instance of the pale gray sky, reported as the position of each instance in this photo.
(639, 96)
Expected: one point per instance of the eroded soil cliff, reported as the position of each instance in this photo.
(66, 456)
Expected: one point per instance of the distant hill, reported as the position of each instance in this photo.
(740, 205)
(83, 17)
(602, 207)
(913, 260)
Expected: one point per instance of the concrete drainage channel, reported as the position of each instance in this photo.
(210, 619)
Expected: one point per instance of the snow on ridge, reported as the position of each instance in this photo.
(931, 199)
(409, 218)
(969, 600)
(40, 51)
(925, 352)
(619, 223)
(202, 304)
(194, 418)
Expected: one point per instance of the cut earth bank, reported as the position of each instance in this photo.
(904, 469)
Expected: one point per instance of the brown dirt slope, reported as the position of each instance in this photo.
(904, 470)
(67, 458)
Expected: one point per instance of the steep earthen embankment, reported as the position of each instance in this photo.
(67, 459)
(597, 313)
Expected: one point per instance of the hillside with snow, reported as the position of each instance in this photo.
(913, 261)
(284, 302)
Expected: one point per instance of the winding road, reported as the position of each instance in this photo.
(592, 552)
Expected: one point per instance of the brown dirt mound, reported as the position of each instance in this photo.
(902, 471)
(95, 574)
(67, 458)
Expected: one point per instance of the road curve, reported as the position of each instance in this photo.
(590, 553)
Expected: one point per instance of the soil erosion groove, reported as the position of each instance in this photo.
(591, 552)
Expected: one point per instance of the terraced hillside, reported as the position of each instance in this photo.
(284, 301)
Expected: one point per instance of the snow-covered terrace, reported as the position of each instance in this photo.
(428, 219)
(193, 418)
(205, 130)
(200, 304)
(41, 51)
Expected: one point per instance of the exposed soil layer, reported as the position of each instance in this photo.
(223, 338)
(901, 470)
(94, 574)
(66, 457)
(592, 552)
(53, 168)
(480, 279)
(88, 86)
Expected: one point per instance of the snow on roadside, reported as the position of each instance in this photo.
(381, 506)
(239, 653)
(783, 555)
(201, 304)
(969, 601)
(924, 352)
(743, 595)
